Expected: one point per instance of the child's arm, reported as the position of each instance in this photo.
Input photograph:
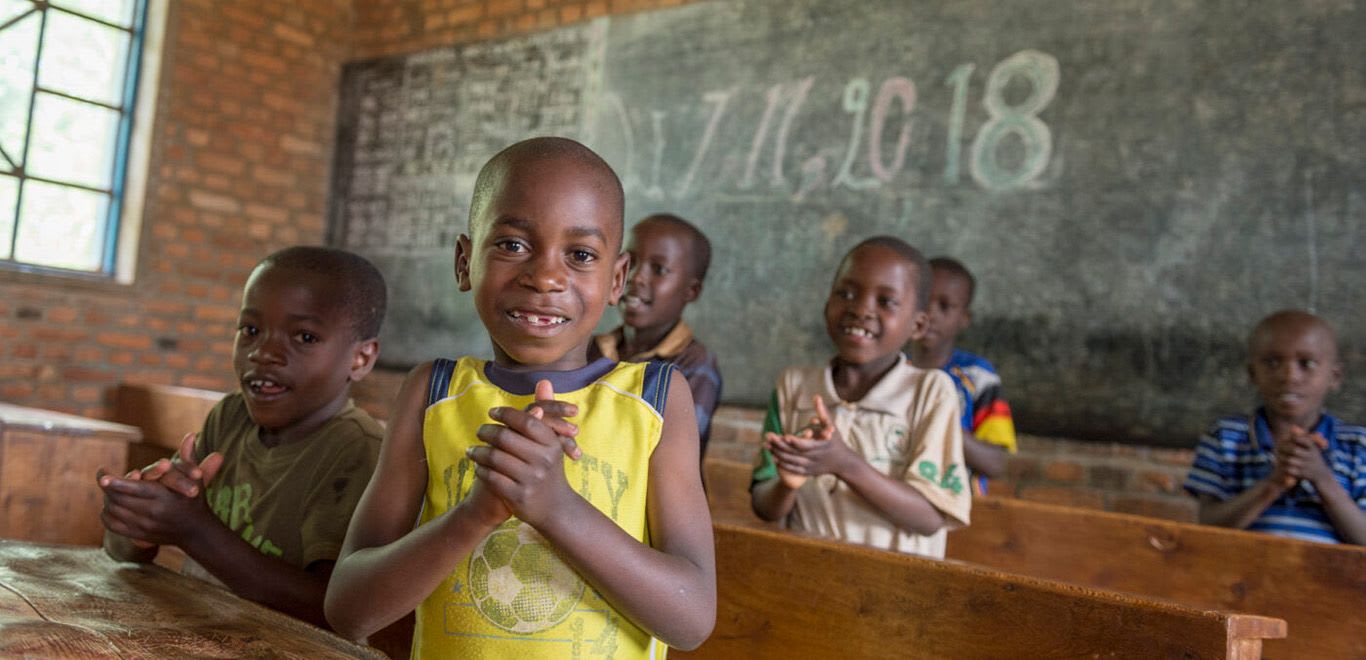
(1238, 512)
(669, 590)
(386, 567)
(1303, 458)
(150, 511)
(984, 458)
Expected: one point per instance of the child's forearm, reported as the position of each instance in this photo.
(772, 500)
(1239, 512)
(1347, 516)
(896, 501)
(373, 587)
(121, 548)
(984, 458)
(667, 594)
(256, 577)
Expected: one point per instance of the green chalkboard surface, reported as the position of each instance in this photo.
(1134, 182)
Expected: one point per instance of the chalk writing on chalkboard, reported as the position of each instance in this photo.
(866, 163)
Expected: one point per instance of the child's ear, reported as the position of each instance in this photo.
(693, 291)
(967, 319)
(620, 270)
(367, 351)
(1336, 383)
(462, 262)
(920, 322)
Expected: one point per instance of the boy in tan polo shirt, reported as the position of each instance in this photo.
(883, 465)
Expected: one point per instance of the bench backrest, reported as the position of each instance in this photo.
(1318, 589)
(165, 413)
(786, 596)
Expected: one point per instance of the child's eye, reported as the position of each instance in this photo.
(307, 337)
(844, 294)
(583, 256)
(661, 269)
(511, 245)
(889, 303)
(1308, 364)
(248, 330)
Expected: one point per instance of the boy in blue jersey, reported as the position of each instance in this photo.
(991, 427)
(518, 551)
(1290, 469)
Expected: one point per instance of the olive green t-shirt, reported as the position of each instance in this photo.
(295, 500)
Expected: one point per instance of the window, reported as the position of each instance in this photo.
(68, 81)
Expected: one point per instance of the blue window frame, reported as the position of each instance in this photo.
(68, 82)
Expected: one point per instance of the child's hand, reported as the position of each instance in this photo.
(817, 450)
(555, 414)
(149, 512)
(524, 462)
(489, 510)
(1301, 457)
(184, 475)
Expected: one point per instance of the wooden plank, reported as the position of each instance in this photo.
(786, 596)
(165, 413)
(48, 462)
(59, 601)
(1318, 589)
(727, 485)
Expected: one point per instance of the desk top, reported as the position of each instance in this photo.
(75, 601)
(49, 421)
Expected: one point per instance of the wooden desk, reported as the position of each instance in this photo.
(785, 596)
(65, 601)
(47, 473)
(1319, 589)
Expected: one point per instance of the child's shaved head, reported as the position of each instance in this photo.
(923, 274)
(1292, 321)
(362, 293)
(701, 247)
(951, 266)
(495, 174)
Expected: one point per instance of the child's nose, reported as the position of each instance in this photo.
(268, 350)
(545, 273)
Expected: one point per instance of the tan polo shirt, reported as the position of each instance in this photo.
(908, 428)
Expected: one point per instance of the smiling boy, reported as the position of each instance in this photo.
(669, 260)
(1291, 469)
(295, 453)
(882, 466)
(519, 552)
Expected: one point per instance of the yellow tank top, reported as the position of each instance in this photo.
(513, 597)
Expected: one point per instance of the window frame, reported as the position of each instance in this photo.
(130, 169)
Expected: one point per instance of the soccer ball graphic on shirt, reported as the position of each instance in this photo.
(518, 582)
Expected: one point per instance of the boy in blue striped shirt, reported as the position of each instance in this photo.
(1291, 469)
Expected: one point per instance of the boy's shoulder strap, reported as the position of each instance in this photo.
(440, 381)
(655, 386)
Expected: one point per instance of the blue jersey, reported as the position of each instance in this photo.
(1236, 453)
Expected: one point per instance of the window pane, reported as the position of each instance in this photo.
(61, 227)
(18, 45)
(72, 141)
(9, 192)
(83, 58)
(114, 11)
(11, 8)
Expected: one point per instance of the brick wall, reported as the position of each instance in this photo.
(241, 150)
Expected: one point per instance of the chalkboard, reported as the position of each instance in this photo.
(1134, 182)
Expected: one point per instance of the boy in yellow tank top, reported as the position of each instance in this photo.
(559, 506)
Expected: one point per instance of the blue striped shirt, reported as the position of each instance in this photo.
(1231, 459)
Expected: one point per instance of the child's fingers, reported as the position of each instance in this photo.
(154, 471)
(528, 424)
(571, 448)
(821, 411)
(507, 440)
(187, 455)
(180, 483)
(209, 467)
(1319, 440)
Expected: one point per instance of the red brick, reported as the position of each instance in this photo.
(1063, 471)
(1064, 496)
(294, 35)
(1180, 509)
(24, 350)
(1153, 481)
(62, 314)
(16, 391)
(124, 340)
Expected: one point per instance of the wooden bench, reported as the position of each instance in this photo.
(1309, 585)
(1320, 590)
(786, 596)
(165, 413)
(48, 462)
